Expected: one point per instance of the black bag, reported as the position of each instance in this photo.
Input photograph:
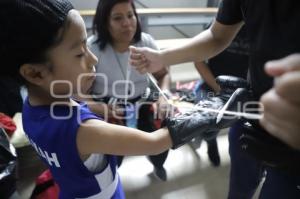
(10, 97)
(8, 164)
(269, 150)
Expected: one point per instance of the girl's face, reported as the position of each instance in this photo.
(71, 59)
(122, 23)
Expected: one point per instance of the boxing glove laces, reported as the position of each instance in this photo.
(201, 119)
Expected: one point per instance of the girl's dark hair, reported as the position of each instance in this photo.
(100, 23)
(29, 28)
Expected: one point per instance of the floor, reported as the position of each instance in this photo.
(190, 174)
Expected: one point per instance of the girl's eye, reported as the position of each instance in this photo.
(80, 55)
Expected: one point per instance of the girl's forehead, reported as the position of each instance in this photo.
(75, 28)
(73, 32)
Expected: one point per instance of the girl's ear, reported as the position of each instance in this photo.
(34, 73)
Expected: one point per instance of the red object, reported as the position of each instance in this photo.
(189, 85)
(7, 124)
(45, 188)
(157, 123)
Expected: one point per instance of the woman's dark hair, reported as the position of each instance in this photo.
(29, 28)
(101, 19)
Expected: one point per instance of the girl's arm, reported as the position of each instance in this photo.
(96, 136)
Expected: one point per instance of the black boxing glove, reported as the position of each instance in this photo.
(229, 84)
(200, 121)
(183, 127)
(268, 149)
(234, 93)
(234, 104)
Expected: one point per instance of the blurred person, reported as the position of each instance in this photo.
(270, 37)
(234, 61)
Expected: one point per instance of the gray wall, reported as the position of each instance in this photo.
(172, 3)
(91, 4)
(84, 4)
(161, 32)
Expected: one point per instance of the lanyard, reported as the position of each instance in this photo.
(126, 75)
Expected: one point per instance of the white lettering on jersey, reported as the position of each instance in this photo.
(52, 159)
(44, 154)
(41, 152)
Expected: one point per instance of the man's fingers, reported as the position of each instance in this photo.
(138, 60)
(278, 117)
(137, 56)
(278, 67)
(137, 63)
(278, 105)
(286, 86)
(278, 128)
(141, 67)
(137, 53)
(133, 49)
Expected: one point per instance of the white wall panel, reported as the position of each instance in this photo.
(91, 4)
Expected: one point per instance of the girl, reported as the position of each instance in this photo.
(50, 55)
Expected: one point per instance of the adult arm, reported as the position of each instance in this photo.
(203, 46)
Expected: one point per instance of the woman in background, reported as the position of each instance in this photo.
(115, 28)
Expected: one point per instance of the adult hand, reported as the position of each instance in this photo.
(146, 60)
(282, 103)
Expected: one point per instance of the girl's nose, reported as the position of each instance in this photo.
(93, 60)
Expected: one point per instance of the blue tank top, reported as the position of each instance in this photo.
(52, 132)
